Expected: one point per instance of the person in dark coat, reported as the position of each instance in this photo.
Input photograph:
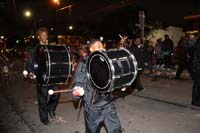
(140, 53)
(35, 57)
(167, 50)
(186, 52)
(99, 109)
(196, 85)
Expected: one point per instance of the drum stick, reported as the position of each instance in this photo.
(51, 92)
(120, 36)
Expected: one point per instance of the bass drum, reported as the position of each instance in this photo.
(57, 65)
(112, 69)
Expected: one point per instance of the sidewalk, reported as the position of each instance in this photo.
(168, 90)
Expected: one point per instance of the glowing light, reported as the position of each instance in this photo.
(192, 32)
(17, 41)
(56, 2)
(70, 27)
(2, 37)
(51, 29)
(33, 36)
(101, 38)
(27, 14)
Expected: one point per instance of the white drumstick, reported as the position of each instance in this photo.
(51, 92)
(25, 73)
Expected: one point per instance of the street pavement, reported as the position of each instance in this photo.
(164, 107)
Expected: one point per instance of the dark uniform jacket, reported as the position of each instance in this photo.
(168, 45)
(197, 55)
(91, 97)
(140, 54)
(36, 61)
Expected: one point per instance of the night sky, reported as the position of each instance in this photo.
(99, 16)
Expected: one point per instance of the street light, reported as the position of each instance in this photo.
(70, 27)
(27, 14)
(57, 2)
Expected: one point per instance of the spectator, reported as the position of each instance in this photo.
(196, 86)
(140, 54)
(123, 42)
(167, 50)
(158, 52)
(150, 55)
(185, 58)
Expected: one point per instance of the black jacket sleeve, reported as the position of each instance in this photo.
(31, 60)
(197, 55)
(146, 54)
(171, 46)
(80, 77)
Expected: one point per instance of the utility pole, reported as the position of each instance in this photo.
(142, 24)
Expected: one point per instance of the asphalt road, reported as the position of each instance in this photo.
(164, 107)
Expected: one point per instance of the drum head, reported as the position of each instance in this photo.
(99, 71)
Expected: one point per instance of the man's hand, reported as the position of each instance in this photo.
(25, 73)
(123, 39)
(78, 91)
(123, 89)
(32, 76)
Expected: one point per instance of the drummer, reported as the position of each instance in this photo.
(35, 55)
(98, 108)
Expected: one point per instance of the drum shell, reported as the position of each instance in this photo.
(122, 69)
(57, 65)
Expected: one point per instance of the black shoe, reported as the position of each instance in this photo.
(52, 114)
(46, 122)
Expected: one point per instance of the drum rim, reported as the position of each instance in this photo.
(69, 59)
(49, 60)
(135, 64)
(108, 85)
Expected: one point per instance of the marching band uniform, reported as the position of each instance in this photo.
(98, 108)
(196, 86)
(35, 56)
(140, 54)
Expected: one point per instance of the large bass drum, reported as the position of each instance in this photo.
(57, 66)
(112, 69)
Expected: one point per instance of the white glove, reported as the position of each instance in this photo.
(25, 73)
(78, 91)
(32, 76)
(123, 89)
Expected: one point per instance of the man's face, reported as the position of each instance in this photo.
(137, 41)
(43, 37)
(97, 46)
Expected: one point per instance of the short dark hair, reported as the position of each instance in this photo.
(42, 29)
(93, 41)
(166, 36)
(136, 37)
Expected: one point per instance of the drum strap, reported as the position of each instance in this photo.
(79, 108)
(84, 61)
